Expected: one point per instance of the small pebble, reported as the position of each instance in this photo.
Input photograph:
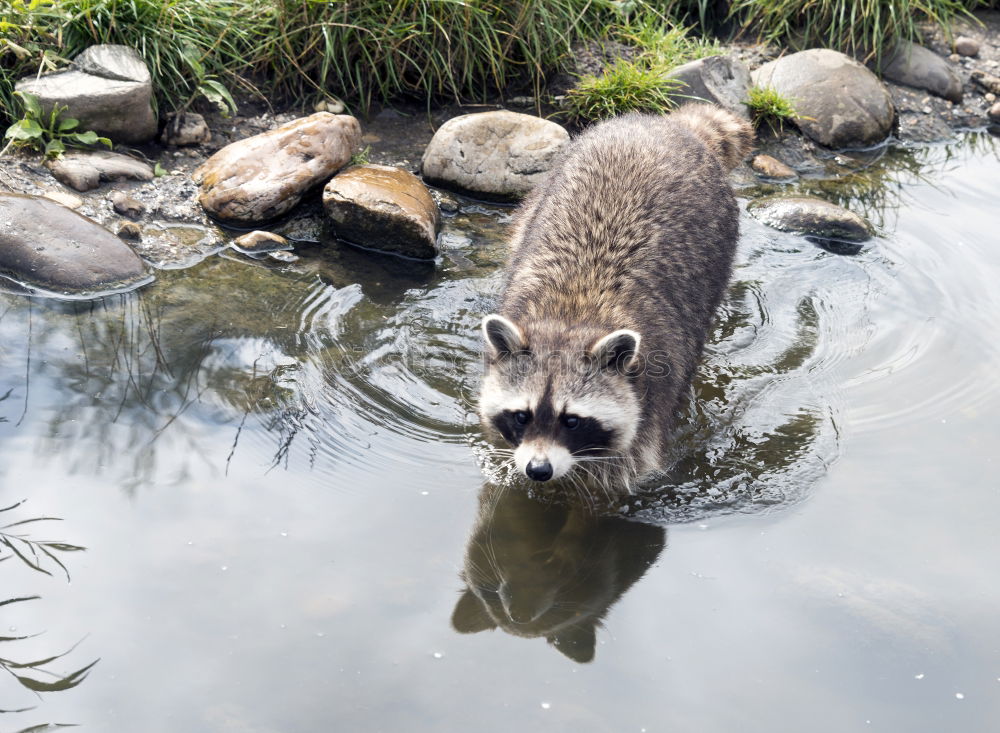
(927, 110)
(130, 230)
(966, 46)
(125, 205)
(990, 97)
(260, 241)
(771, 167)
(954, 57)
(287, 257)
(959, 696)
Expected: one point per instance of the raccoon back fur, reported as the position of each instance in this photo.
(618, 263)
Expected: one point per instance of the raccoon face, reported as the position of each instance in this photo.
(559, 395)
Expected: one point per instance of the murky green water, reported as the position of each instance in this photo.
(276, 472)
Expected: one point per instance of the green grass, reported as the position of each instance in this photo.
(641, 84)
(865, 28)
(768, 107)
(292, 50)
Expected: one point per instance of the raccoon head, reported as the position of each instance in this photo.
(560, 394)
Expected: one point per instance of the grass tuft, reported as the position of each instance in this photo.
(641, 84)
(865, 28)
(768, 107)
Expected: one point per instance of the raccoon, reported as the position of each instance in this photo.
(618, 263)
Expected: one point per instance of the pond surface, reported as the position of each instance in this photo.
(278, 478)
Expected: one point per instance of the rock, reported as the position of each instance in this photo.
(384, 208)
(281, 256)
(62, 197)
(125, 205)
(109, 91)
(261, 177)
(966, 46)
(498, 155)
(185, 128)
(994, 112)
(51, 248)
(919, 67)
(987, 82)
(990, 97)
(770, 167)
(810, 216)
(111, 61)
(259, 242)
(130, 230)
(720, 80)
(840, 103)
(85, 171)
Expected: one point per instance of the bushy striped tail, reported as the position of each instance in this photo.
(722, 132)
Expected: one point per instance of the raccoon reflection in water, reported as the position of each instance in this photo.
(619, 262)
(549, 571)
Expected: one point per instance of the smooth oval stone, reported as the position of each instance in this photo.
(497, 155)
(260, 242)
(840, 103)
(771, 167)
(257, 179)
(720, 80)
(56, 250)
(384, 208)
(810, 216)
(916, 66)
(87, 170)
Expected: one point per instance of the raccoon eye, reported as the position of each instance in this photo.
(521, 417)
(571, 421)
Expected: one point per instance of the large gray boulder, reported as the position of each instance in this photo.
(50, 248)
(720, 80)
(919, 67)
(259, 178)
(497, 155)
(108, 90)
(385, 208)
(841, 104)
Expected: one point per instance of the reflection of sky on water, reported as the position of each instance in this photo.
(223, 590)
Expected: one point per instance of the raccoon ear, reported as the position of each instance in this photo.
(469, 616)
(619, 349)
(502, 335)
(576, 642)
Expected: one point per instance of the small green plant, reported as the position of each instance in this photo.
(624, 86)
(362, 157)
(643, 83)
(48, 133)
(768, 107)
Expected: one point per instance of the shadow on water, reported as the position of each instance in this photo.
(546, 570)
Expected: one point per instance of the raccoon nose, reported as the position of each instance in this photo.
(539, 469)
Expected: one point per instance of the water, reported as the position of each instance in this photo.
(279, 481)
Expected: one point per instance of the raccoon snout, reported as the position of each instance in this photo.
(539, 469)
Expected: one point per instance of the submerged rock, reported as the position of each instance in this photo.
(987, 82)
(260, 242)
(771, 167)
(498, 155)
(810, 216)
(720, 80)
(262, 177)
(840, 103)
(916, 66)
(108, 90)
(51, 248)
(185, 128)
(86, 171)
(384, 208)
